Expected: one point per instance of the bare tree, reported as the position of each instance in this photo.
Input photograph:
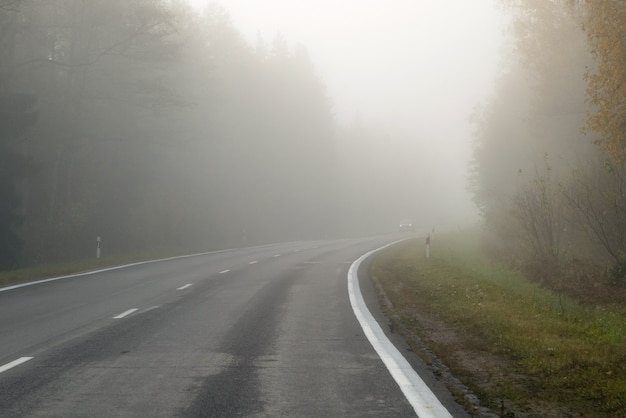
(597, 195)
(538, 207)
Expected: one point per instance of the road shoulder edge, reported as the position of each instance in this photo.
(418, 393)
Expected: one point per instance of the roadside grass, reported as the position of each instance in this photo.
(45, 271)
(524, 350)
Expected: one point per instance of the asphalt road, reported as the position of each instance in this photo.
(262, 331)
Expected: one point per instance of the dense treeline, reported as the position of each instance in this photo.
(549, 173)
(156, 129)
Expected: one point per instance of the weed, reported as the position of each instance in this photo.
(617, 273)
(545, 351)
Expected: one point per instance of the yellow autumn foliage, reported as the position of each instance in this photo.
(605, 25)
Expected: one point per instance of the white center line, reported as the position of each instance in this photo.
(224, 271)
(14, 363)
(126, 313)
(253, 262)
(185, 286)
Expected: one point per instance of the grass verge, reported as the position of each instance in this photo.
(29, 274)
(522, 349)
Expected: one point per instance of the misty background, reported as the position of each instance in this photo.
(175, 126)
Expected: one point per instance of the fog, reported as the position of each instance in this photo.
(409, 74)
(182, 125)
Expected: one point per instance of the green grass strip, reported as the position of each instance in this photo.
(560, 352)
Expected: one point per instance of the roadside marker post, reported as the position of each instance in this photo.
(98, 240)
(428, 246)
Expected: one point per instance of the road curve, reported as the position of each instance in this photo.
(262, 331)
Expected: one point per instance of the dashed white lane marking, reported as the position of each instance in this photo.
(276, 255)
(422, 399)
(14, 363)
(185, 286)
(126, 313)
(224, 271)
(94, 272)
(253, 262)
(151, 308)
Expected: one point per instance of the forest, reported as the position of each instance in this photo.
(548, 171)
(161, 130)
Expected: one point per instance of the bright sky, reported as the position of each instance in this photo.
(386, 59)
(417, 66)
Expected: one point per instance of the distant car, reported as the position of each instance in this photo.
(406, 226)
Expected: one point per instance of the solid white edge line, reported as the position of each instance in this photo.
(126, 313)
(14, 363)
(422, 399)
(185, 286)
(89, 273)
